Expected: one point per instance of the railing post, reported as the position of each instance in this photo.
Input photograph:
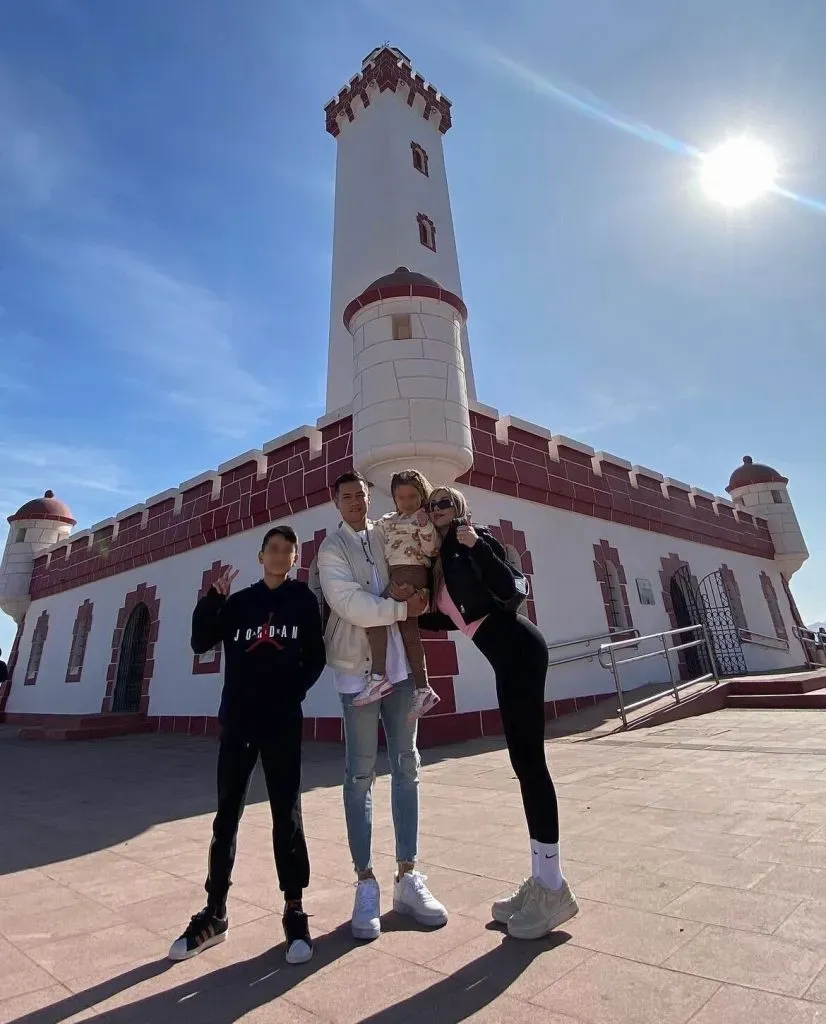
(620, 698)
(711, 656)
(664, 639)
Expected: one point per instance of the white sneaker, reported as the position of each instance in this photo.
(412, 897)
(504, 909)
(375, 688)
(424, 700)
(365, 923)
(543, 910)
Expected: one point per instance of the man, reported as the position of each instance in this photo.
(4, 671)
(274, 652)
(353, 576)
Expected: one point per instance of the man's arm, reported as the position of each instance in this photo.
(207, 622)
(348, 598)
(313, 652)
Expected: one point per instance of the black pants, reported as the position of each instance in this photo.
(518, 655)
(281, 760)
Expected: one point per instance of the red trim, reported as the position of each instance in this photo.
(39, 635)
(508, 537)
(670, 565)
(37, 516)
(205, 668)
(141, 595)
(603, 554)
(295, 480)
(770, 595)
(735, 600)
(403, 291)
(421, 152)
(387, 72)
(83, 620)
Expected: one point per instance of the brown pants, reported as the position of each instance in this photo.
(416, 576)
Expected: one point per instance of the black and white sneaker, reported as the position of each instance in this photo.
(297, 934)
(207, 928)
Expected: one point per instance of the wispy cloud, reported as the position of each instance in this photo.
(177, 339)
(607, 410)
(29, 466)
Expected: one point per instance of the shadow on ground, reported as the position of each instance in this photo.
(229, 993)
(78, 798)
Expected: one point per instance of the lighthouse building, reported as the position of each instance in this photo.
(610, 549)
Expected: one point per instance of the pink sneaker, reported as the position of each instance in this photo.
(375, 688)
(423, 701)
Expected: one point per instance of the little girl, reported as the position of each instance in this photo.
(410, 541)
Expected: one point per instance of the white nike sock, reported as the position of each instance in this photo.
(546, 866)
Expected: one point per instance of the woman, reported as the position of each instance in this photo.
(473, 588)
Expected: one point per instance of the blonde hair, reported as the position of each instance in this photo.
(461, 507)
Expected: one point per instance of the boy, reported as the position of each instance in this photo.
(274, 652)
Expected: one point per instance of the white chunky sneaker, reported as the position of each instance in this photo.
(374, 689)
(543, 910)
(504, 909)
(424, 700)
(365, 923)
(411, 896)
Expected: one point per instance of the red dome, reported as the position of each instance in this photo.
(403, 283)
(752, 472)
(47, 507)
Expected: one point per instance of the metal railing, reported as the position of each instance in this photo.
(814, 645)
(664, 637)
(748, 636)
(587, 640)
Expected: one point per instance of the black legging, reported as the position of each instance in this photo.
(518, 654)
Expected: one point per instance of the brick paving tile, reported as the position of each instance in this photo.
(696, 850)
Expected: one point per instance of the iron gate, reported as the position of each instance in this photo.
(132, 661)
(709, 603)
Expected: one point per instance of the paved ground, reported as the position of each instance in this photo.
(698, 851)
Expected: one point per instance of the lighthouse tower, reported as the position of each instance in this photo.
(762, 491)
(410, 395)
(392, 204)
(33, 528)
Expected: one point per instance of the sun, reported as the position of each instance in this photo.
(738, 172)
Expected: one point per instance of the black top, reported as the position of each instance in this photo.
(473, 576)
(4, 672)
(273, 648)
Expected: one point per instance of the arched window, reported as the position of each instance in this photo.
(427, 231)
(41, 628)
(80, 636)
(616, 605)
(419, 159)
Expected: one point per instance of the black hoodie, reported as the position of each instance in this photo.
(273, 649)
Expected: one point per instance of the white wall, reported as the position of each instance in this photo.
(568, 602)
(378, 196)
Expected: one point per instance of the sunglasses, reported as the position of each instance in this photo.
(441, 504)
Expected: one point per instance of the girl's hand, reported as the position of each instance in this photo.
(466, 535)
(422, 518)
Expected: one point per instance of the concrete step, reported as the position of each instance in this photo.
(803, 682)
(809, 700)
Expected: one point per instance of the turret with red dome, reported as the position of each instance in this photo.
(761, 490)
(35, 527)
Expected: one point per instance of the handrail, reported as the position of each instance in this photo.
(813, 639)
(663, 637)
(586, 655)
(773, 642)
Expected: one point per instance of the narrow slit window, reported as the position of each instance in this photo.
(402, 328)
(616, 604)
(427, 231)
(420, 159)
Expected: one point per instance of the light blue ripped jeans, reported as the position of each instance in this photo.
(361, 738)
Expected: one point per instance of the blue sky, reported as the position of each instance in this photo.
(166, 189)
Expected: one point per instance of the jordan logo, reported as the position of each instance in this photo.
(265, 634)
